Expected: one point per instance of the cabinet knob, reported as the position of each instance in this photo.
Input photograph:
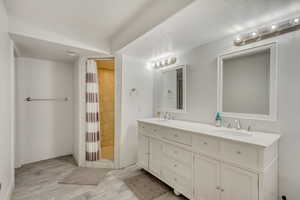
(222, 190)
(239, 152)
(205, 143)
(218, 188)
(175, 135)
(175, 165)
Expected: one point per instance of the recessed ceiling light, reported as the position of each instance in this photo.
(71, 53)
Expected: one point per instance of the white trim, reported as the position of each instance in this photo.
(81, 140)
(118, 111)
(10, 191)
(103, 163)
(12, 111)
(171, 68)
(81, 102)
(273, 81)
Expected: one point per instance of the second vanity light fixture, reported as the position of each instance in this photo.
(266, 32)
(164, 62)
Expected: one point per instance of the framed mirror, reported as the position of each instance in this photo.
(247, 83)
(172, 89)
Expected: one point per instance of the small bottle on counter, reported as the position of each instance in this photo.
(218, 120)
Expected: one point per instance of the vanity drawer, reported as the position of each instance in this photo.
(206, 144)
(178, 136)
(178, 167)
(178, 154)
(242, 154)
(181, 184)
(148, 129)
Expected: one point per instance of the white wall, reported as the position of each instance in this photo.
(76, 149)
(44, 129)
(141, 23)
(202, 101)
(79, 112)
(134, 105)
(6, 101)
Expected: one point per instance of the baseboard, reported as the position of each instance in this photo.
(10, 192)
(100, 164)
(75, 159)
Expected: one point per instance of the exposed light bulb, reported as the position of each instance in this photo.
(157, 64)
(273, 27)
(153, 65)
(238, 39)
(254, 34)
(296, 20)
(149, 66)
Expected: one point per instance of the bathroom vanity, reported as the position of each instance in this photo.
(203, 162)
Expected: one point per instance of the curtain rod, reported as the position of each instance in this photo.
(47, 99)
(107, 58)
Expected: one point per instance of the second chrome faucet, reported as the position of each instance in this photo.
(237, 124)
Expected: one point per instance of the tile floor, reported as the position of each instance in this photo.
(38, 181)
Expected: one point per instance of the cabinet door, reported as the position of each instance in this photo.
(237, 184)
(143, 151)
(155, 150)
(207, 173)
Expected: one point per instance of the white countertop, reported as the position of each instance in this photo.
(256, 138)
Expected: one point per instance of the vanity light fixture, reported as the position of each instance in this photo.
(163, 62)
(268, 31)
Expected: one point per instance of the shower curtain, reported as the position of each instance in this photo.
(92, 112)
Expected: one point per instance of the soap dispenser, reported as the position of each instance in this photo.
(218, 120)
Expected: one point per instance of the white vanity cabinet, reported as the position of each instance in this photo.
(204, 165)
(207, 178)
(216, 180)
(143, 151)
(237, 184)
(155, 149)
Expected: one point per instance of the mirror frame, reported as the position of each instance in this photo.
(273, 96)
(172, 68)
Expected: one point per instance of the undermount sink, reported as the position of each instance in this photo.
(234, 132)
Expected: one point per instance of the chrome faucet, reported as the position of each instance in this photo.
(237, 123)
(249, 128)
(167, 116)
(229, 125)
